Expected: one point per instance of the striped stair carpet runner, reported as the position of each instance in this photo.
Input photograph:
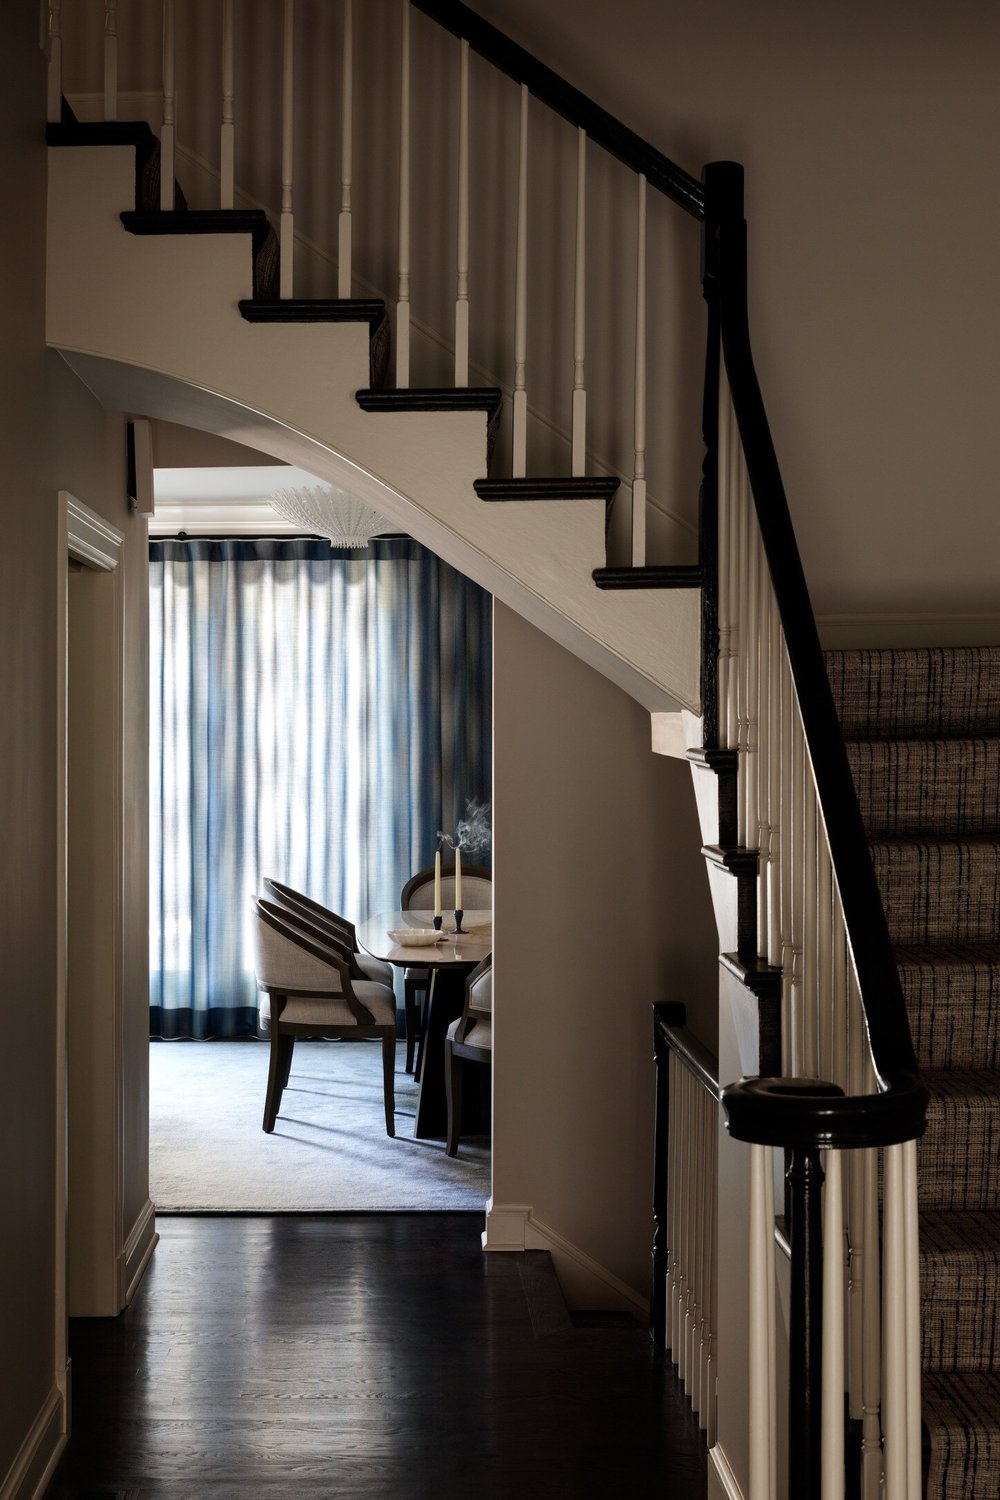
(923, 739)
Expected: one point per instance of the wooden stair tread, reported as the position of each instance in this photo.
(560, 487)
(658, 576)
(433, 398)
(252, 221)
(370, 310)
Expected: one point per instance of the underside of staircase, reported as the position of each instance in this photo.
(176, 314)
(923, 739)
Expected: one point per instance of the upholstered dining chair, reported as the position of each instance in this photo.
(418, 895)
(340, 930)
(308, 991)
(468, 1039)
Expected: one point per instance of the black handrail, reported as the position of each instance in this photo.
(897, 1113)
(602, 128)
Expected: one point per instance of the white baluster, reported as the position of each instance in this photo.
(824, 958)
(788, 1058)
(462, 294)
(724, 491)
(810, 922)
(227, 138)
(894, 1325)
(54, 72)
(774, 781)
(796, 882)
(111, 59)
(751, 833)
(705, 1262)
(871, 1430)
(734, 464)
(673, 1167)
(760, 1332)
(169, 125)
(286, 273)
(639, 469)
(403, 300)
(519, 460)
(684, 1279)
(346, 154)
(742, 645)
(579, 454)
(832, 1423)
(697, 1212)
(911, 1259)
(857, 1211)
(763, 731)
(713, 1179)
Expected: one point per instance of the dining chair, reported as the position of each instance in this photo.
(308, 991)
(469, 1039)
(418, 895)
(340, 930)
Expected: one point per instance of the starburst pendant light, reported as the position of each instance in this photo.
(332, 512)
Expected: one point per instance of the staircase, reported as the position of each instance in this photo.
(178, 313)
(923, 738)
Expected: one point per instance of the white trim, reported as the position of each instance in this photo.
(88, 538)
(139, 1246)
(719, 1470)
(29, 1475)
(669, 735)
(844, 632)
(513, 1227)
(220, 518)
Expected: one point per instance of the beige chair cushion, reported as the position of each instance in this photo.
(374, 969)
(312, 1010)
(479, 1035)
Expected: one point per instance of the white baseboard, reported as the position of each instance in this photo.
(721, 1479)
(584, 1281)
(39, 1453)
(139, 1247)
(847, 632)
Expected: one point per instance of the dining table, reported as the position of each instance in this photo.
(450, 959)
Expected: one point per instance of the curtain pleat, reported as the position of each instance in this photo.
(316, 715)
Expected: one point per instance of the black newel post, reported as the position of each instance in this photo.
(805, 1354)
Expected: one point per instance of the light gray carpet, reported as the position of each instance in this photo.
(329, 1149)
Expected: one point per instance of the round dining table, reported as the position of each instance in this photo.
(450, 960)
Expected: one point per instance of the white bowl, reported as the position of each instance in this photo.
(415, 937)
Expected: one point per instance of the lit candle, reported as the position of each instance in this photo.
(458, 878)
(437, 883)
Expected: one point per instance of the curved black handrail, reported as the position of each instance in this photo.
(897, 1112)
(660, 172)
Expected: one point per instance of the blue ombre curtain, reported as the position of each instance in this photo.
(316, 715)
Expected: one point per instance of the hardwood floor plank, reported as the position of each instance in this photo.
(363, 1356)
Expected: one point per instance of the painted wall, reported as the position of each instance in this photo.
(53, 436)
(602, 907)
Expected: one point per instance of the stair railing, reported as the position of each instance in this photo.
(683, 1306)
(849, 1089)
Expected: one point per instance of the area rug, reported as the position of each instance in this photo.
(329, 1150)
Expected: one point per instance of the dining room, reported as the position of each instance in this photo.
(320, 752)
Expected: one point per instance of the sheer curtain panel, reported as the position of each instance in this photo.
(316, 715)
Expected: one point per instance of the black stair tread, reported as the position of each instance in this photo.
(560, 487)
(736, 858)
(369, 310)
(252, 221)
(656, 576)
(433, 398)
(101, 133)
(763, 979)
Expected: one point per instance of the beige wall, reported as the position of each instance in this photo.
(53, 436)
(602, 907)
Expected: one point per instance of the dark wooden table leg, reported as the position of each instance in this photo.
(444, 1005)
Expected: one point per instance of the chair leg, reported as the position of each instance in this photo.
(275, 1080)
(389, 1079)
(453, 1094)
(287, 1048)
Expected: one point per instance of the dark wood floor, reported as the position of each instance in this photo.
(363, 1356)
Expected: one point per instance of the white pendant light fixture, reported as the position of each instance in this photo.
(332, 512)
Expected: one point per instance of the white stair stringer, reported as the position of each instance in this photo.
(151, 324)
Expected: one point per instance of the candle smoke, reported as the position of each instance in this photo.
(474, 832)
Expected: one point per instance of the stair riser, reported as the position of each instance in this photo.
(959, 1155)
(960, 1319)
(917, 694)
(944, 894)
(954, 1014)
(926, 788)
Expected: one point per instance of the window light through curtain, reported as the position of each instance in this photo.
(315, 715)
